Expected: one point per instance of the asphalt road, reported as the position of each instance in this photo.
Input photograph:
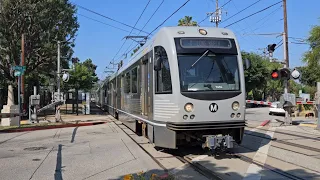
(91, 152)
(255, 116)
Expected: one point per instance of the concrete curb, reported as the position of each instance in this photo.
(50, 127)
(265, 122)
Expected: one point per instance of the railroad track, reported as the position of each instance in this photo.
(184, 159)
(286, 143)
(188, 160)
(199, 168)
(290, 134)
(266, 166)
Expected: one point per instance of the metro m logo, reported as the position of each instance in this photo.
(213, 107)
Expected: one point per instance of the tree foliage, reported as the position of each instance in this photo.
(43, 22)
(187, 21)
(259, 84)
(83, 76)
(310, 73)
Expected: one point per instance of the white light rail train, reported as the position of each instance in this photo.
(185, 86)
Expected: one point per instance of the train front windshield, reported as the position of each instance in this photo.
(209, 72)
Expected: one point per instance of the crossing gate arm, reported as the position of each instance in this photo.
(269, 103)
(259, 102)
(58, 103)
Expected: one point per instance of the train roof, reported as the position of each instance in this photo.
(188, 31)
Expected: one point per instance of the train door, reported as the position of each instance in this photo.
(150, 85)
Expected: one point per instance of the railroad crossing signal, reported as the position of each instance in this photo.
(271, 48)
(284, 74)
(295, 74)
(275, 74)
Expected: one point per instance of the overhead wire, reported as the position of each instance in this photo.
(247, 25)
(108, 18)
(268, 15)
(252, 14)
(103, 23)
(126, 52)
(132, 29)
(168, 18)
(241, 10)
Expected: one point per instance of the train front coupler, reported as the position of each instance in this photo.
(218, 143)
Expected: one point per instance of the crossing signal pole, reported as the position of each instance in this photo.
(285, 42)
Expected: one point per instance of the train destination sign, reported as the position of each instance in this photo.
(205, 43)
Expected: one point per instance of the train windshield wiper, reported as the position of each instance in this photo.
(199, 58)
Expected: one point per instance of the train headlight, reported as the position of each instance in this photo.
(235, 106)
(188, 107)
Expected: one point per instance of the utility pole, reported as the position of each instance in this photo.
(217, 14)
(22, 78)
(58, 74)
(285, 42)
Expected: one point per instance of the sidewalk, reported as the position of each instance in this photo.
(91, 152)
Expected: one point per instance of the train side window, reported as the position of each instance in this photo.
(134, 76)
(163, 77)
(127, 83)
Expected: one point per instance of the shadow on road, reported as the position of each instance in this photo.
(58, 171)
(74, 133)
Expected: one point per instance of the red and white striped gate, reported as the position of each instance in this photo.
(269, 103)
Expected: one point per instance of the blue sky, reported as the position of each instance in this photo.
(101, 42)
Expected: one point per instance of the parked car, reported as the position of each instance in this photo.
(275, 109)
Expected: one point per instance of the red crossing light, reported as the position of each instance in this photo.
(275, 74)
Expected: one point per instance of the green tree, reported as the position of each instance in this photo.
(187, 21)
(83, 76)
(310, 73)
(43, 22)
(91, 67)
(256, 76)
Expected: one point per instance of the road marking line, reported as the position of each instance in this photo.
(198, 158)
(253, 171)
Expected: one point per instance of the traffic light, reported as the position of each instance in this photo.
(275, 74)
(271, 48)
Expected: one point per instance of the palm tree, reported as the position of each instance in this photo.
(187, 21)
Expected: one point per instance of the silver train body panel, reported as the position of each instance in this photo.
(140, 96)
